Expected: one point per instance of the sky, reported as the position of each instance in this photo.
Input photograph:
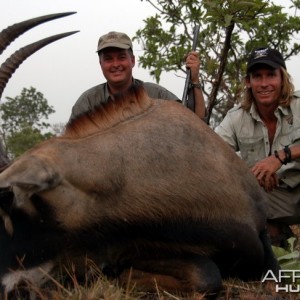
(63, 70)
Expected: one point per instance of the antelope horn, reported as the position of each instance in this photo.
(9, 34)
(14, 61)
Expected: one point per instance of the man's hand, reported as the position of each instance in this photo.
(193, 63)
(265, 172)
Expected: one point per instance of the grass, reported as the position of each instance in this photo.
(96, 286)
(103, 289)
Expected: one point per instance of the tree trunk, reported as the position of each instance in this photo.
(223, 60)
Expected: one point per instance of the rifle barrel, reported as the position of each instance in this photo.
(187, 85)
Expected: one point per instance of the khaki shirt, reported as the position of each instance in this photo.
(246, 133)
(99, 94)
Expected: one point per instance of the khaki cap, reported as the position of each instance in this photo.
(114, 39)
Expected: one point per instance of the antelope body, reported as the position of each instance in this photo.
(144, 188)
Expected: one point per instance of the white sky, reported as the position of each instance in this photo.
(66, 68)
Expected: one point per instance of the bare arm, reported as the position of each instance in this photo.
(265, 169)
(193, 63)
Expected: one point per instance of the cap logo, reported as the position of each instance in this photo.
(112, 36)
(260, 53)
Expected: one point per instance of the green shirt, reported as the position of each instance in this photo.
(99, 94)
(246, 133)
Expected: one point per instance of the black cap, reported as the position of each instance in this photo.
(267, 56)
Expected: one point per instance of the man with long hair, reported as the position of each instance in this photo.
(264, 128)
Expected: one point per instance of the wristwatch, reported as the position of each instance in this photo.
(196, 85)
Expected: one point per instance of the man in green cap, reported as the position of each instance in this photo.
(117, 61)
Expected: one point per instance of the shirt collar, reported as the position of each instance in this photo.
(254, 114)
(106, 91)
(284, 110)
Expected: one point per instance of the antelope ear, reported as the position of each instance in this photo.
(30, 173)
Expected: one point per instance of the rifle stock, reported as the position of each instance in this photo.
(188, 96)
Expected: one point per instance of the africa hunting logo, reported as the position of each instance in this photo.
(286, 281)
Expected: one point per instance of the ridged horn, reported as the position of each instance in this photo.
(9, 34)
(14, 61)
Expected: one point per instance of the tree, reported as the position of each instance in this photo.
(229, 30)
(23, 121)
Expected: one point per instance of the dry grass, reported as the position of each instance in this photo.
(96, 286)
(103, 289)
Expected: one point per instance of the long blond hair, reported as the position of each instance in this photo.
(287, 91)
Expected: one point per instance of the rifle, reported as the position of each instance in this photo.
(188, 94)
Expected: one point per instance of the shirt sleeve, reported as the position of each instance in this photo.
(156, 91)
(88, 100)
(227, 132)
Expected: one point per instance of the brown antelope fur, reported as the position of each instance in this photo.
(145, 188)
(109, 114)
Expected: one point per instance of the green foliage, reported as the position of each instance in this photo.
(229, 30)
(288, 259)
(23, 121)
(20, 141)
(28, 109)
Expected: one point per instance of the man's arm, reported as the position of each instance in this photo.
(265, 169)
(193, 63)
